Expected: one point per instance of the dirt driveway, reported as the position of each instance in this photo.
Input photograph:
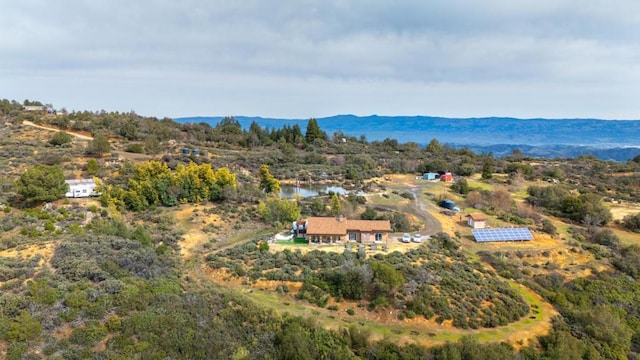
(79, 136)
(423, 210)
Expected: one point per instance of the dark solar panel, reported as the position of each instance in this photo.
(504, 234)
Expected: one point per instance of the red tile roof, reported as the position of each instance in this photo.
(336, 226)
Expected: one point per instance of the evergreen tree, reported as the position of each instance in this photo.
(434, 146)
(99, 145)
(313, 131)
(92, 167)
(369, 214)
(487, 169)
(42, 183)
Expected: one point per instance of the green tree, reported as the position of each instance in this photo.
(152, 145)
(42, 183)
(400, 222)
(434, 146)
(313, 131)
(386, 279)
(461, 187)
(92, 167)
(487, 169)
(335, 205)
(278, 211)
(369, 214)
(229, 125)
(61, 138)
(267, 182)
(99, 145)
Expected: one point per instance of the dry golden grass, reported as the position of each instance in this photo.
(193, 222)
(620, 210)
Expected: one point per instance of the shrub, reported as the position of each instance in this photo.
(135, 148)
(407, 195)
(632, 222)
(61, 138)
(89, 334)
(548, 227)
(351, 312)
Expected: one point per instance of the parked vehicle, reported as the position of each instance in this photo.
(406, 238)
(449, 204)
(417, 238)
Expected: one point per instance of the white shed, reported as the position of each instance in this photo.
(477, 220)
(81, 188)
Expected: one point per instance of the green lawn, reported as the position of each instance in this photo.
(477, 184)
(296, 241)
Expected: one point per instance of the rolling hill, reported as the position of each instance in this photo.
(551, 138)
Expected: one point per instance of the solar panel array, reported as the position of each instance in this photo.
(504, 234)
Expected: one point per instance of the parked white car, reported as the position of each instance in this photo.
(417, 238)
(406, 238)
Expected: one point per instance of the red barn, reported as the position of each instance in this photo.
(446, 177)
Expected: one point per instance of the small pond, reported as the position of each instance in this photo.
(289, 191)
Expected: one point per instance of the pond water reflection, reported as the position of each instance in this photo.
(288, 191)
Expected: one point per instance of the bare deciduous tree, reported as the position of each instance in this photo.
(501, 200)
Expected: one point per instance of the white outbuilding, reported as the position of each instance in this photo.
(81, 188)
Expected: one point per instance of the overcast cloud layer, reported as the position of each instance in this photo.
(306, 58)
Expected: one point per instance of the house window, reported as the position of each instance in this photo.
(353, 236)
(378, 236)
(84, 191)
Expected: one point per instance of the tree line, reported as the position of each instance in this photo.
(153, 183)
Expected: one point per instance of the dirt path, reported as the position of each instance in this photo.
(79, 136)
(423, 210)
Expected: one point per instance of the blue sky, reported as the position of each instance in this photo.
(307, 58)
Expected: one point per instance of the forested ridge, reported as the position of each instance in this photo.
(111, 277)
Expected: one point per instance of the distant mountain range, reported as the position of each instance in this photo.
(550, 138)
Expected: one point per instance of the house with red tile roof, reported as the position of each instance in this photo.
(338, 230)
